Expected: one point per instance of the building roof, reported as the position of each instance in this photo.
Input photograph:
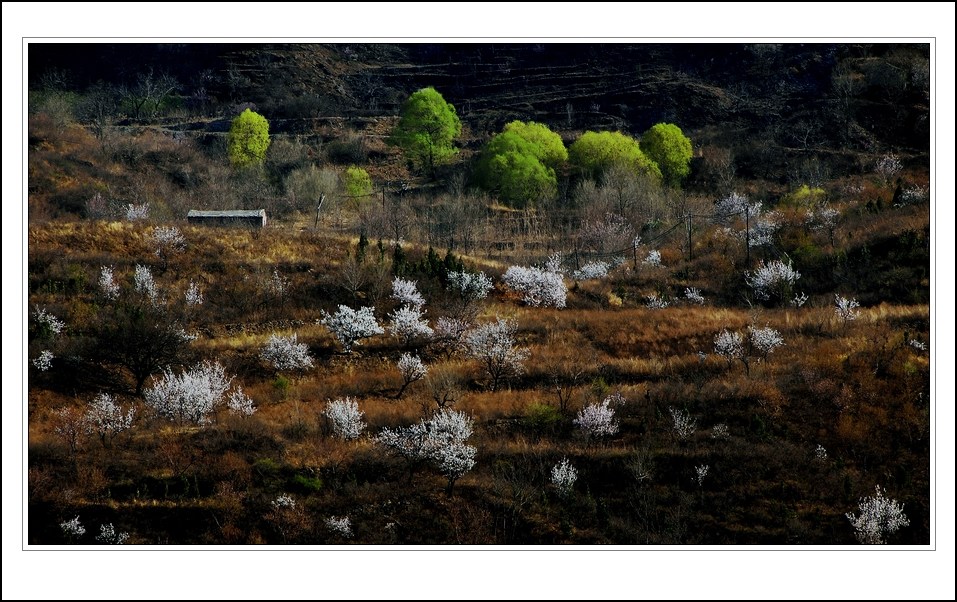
(230, 213)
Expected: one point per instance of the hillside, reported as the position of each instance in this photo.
(408, 354)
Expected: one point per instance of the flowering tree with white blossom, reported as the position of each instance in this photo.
(879, 517)
(108, 286)
(350, 326)
(340, 525)
(407, 292)
(286, 354)
(493, 345)
(564, 476)
(412, 369)
(469, 289)
(760, 343)
(597, 420)
(538, 287)
(167, 241)
(772, 280)
(190, 396)
(440, 440)
(683, 425)
(106, 419)
(345, 418)
(846, 309)
(408, 324)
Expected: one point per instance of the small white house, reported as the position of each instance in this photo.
(249, 218)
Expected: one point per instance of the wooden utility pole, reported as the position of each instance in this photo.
(689, 237)
(322, 197)
(747, 233)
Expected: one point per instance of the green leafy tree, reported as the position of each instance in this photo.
(248, 139)
(666, 145)
(595, 152)
(427, 129)
(510, 167)
(549, 148)
(357, 182)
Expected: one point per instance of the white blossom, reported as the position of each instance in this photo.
(411, 443)
(918, 345)
(190, 396)
(283, 500)
(597, 420)
(408, 324)
(469, 290)
(729, 345)
(72, 528)
(702, 472)
(44, 361)
(719, 431)
(820, 453)
(470, 287)
(277, 285)
(167, 240)
(752, 222)
(493, 345)
(879, 518)
(730, 206)
(683, 424)
(765, 340)
(186, 337)
(554, 263)
(340, 525)
(914, 194)
(450, 426)
(286, 354)
(888, 167)
(564, 476)
(407, 292)
(137, 212)
(454, 460)
(109, 535)
(592, 270)
(411, 368)
(350, 326)
(799, 300)
(440, 440)
(615, 400)
(653, 259)
(772, 279)
(194, 296)
(449, 333)
(50, 326)
(345, 418)
(144, 284)
(240, 403)
(110, 289)
(846, 309)
(106, 418)
(538, 287)
(693, 295)
(822, 217)
(655, 301)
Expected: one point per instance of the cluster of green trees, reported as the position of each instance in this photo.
(520, 165)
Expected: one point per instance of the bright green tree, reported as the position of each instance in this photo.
(357, 182)
(510, 167)
(248, 139)
(595, 152)
(666, 145)
(427, 129)
(550, 148)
